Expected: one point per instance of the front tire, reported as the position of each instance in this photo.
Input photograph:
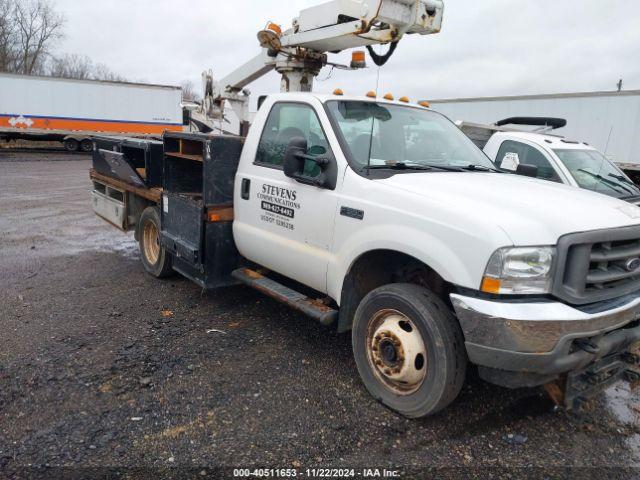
(155, 258)
(409, 349)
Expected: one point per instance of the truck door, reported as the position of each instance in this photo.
(280, 223)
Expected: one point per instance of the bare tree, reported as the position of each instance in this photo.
(7, 36)
(39, 26)
(80, 67)
(102, 72)
(71, 66)
(29, 30)
(189, 93)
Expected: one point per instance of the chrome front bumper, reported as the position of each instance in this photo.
(540, 337)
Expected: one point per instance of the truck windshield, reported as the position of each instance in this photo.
(593, 171)
(385, 135)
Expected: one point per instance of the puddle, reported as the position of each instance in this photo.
(623, 404)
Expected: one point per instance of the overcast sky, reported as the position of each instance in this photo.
(486, 48)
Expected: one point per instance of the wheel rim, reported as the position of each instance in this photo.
(151, 242)
(396, 352)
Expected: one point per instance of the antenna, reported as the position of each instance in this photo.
(373, 118)
(606, 147)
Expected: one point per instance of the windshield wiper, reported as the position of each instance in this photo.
(464, 168)
(445, 168)
(480, 168)
(623, 179)
(402, 166)
(606, 181)
(430, 167)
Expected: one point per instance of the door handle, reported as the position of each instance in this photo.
(246, 189)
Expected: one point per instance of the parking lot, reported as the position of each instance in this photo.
(102, 365)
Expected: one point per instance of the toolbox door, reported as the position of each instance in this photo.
(182, 228)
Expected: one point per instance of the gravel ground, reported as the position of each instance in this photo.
(104, 368)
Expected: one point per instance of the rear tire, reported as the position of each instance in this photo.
(409, 349)
(156, 260)
(71, 145)
(86, 145)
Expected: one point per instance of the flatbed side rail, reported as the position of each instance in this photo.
(152, 194)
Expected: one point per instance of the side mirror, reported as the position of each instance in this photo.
(527, 170)
(293, 165)
(295, 159)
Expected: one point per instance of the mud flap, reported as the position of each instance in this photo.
(578, 387)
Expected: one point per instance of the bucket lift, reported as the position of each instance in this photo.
(299, 53)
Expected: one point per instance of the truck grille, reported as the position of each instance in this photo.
(597, 266)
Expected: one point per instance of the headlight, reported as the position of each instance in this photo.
(520, 271)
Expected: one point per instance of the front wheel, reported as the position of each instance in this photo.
(155, 258)
(409, 349)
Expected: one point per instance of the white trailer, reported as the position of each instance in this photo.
(609, 121)
(45, 108)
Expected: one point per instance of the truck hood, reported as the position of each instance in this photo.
(530, 211)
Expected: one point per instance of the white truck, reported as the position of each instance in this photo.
(380, 217)
(550, 157)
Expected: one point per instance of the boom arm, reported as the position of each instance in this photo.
(299, 53)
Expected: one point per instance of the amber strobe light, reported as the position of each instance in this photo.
(358, 59)
(270, 36)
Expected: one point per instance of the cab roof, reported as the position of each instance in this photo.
(551, 141)
(325, 97)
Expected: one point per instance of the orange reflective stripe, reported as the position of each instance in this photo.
(43, 123)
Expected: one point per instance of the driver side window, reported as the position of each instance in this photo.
(513, 153)
(288, 121)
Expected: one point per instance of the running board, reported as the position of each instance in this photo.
(310, 307)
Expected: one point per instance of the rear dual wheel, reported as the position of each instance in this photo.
(409, 349)
(86, 146)
(156, 260)
(73, 145)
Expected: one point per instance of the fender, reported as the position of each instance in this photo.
(452, 261)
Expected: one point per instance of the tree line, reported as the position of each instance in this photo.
(30, 32)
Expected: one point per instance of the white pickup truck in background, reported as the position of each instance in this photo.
(550, 157)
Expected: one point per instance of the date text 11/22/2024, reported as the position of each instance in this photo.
(317, 473)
